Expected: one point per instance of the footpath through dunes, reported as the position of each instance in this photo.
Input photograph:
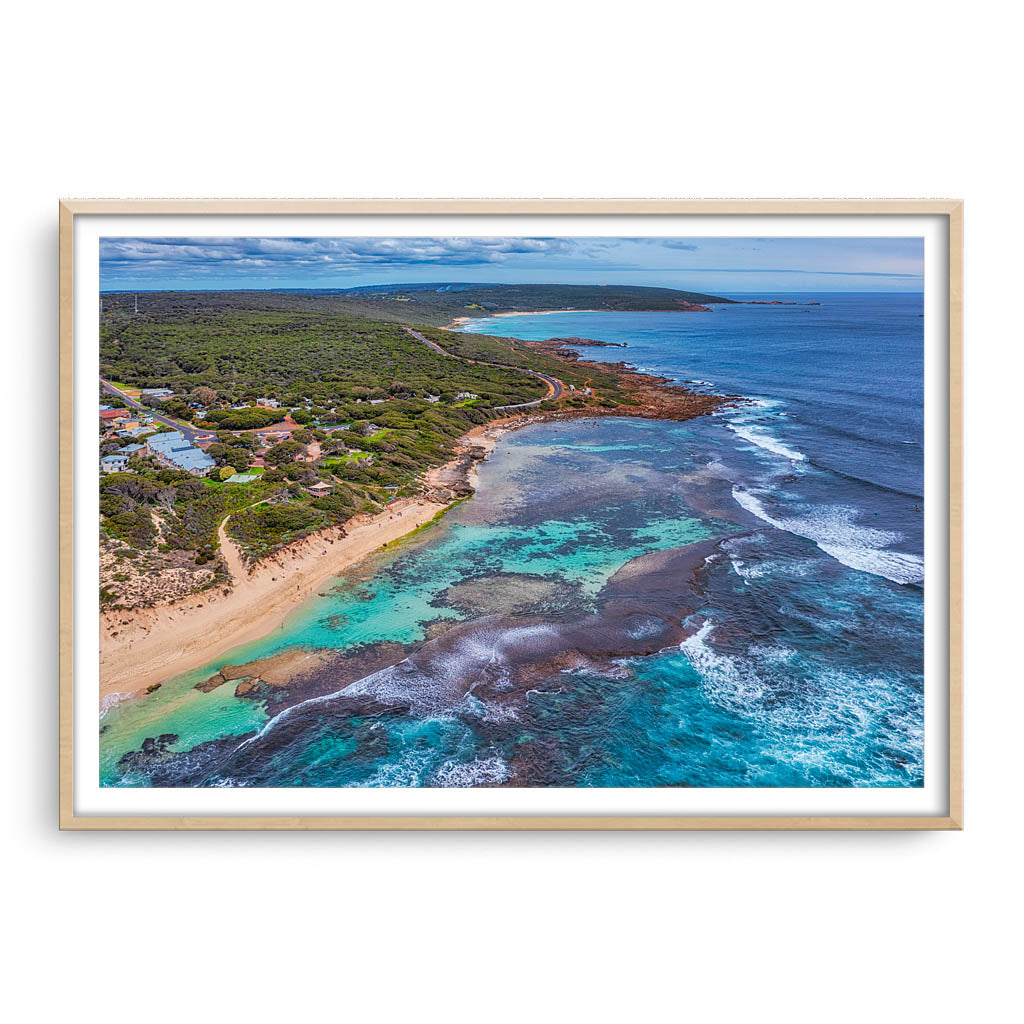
(556, 389)
(145, 646)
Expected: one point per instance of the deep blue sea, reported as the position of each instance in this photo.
(732, 601)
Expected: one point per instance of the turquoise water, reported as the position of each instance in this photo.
(533, 636)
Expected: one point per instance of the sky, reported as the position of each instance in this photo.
(720, 266)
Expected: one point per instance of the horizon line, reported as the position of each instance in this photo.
(500, 284)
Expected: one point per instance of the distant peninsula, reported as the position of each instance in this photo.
(433, 305)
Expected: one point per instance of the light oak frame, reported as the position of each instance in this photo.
(950, 209)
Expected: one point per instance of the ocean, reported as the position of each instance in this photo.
(731, 601)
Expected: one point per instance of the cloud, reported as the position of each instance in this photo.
(672, 243)
(316, 255)
(320, 257)
(215, 262)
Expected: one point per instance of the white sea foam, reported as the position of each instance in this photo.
(486, 771)
(861, 706)
(750, 572)
(407, 771)
(489, 711)
(727, 681)
(833, 529)
(760, 437)
(111, 701)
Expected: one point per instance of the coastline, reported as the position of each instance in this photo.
(460, 321)
(145, 646)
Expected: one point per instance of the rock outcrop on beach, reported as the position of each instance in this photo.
(456, 478)
(211, 684)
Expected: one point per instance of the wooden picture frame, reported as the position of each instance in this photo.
(951, 211)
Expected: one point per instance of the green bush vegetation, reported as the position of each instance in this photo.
(435, 304)
(325, 357)
(264, 528)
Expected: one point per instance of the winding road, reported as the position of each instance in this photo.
(556, 389)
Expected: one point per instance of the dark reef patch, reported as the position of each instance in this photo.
(482, 672)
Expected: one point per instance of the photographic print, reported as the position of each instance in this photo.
(510, 513)
(485, 512)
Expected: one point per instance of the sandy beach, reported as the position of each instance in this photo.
(460, 320)
(145, 646)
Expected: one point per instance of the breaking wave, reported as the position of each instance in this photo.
(486, 771)
(731, 683)
(760, 437)
(833, 529)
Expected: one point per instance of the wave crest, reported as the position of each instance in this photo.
(832, 528)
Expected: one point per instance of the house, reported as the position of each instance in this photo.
(242, 478)
(320, 489)
(466, 396)
(193, 461)
(131, 449)
(132, 424)
(433, 399)
(157, 393)
(269, 403)
(114, 416)
(115, 463)
(174, 450)
(165, 439)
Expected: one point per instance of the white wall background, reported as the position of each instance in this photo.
(530, 99)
